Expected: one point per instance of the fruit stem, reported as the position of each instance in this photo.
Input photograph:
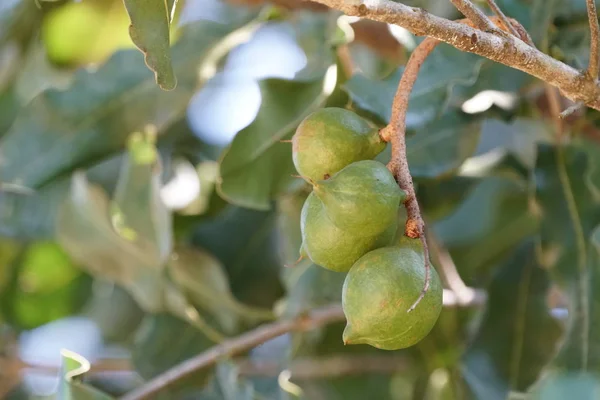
(395, 133)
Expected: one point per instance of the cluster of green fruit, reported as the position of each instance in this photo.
(349, 223)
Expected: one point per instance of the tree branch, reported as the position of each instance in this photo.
(469, 10)
(506, 49)
(228, 348)
(503, 18)
(594, 39)
(312, 320)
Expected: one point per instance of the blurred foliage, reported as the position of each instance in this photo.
(116, 208)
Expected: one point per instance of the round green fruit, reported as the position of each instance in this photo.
(330, 139)
(331, 247)
(379, 289)
(363, 198)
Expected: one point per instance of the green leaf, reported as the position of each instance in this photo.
(257, 166)
(519, 138)
(518, 313)
(138, 205)
(203, 281)
(149, 31)
(592, 175)
(568, 252)
(60, 131)
(227, 385)
(498, 219)
(85, 230)
(246, 243)
(308, 285)
(164, 341)
(31, 215)
(70, 387)
(440, 147)
(445, 68)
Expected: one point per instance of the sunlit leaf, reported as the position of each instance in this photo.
(70, 387)
(519, 138)
(59, 131)
(149, 30)
(44, 285)
(137, 201)
(258, 166)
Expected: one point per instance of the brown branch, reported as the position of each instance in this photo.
(469, 10)
(504, 49)
(594, 40)
(312, 320)
(395, 132)
(228, 348)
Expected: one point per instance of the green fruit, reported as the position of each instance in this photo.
(363, 198)
(379, 289)
(330, 139)
(330, 247)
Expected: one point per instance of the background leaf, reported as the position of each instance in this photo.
(68, 132)
(149, 30)
(518, 312)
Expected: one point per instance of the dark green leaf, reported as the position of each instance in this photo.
(518, 313)
(59, 131)
(498, 218)
(519, 138)
(149, 30)
(245, 242)
(575, 213)
(444, 68)
(440, 147)
(164, 341)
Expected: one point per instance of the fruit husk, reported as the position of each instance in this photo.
(379, 289)
(363, 198)
(331, 138)
(331, 247)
